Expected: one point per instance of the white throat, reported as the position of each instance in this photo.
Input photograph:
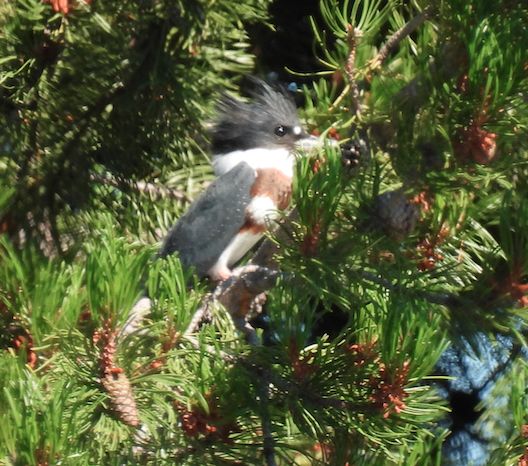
(281, 159)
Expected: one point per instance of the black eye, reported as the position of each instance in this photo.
(280, 130)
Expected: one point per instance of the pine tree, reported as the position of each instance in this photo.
(409, 239)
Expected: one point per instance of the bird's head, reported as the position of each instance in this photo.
(269, 121)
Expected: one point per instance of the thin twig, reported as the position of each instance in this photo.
(341, 96)
(209, 349)
(499, 370)
(267, 377)
(135, 317)
(406, 30)
(445, 299)
(142, 186)
(199, 315)
(267, 431)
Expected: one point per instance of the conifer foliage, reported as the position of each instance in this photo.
(409, 238)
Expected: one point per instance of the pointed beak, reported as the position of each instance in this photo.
(310, 142)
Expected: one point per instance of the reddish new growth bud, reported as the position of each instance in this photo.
(328, 451)
(84, 318)
(337, 79)
(302, 365)
(476, 144)
(523, 460)
(43, 456)
(316, 164)
(332, 132)
(363, 354)
(389, 392)
(311, 240)
(63, 5)
(514, 284)
(427, 249)
(24, 342)
(211, 425)
(169, 342)
(423, 199)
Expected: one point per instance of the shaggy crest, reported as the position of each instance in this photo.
(270, 120)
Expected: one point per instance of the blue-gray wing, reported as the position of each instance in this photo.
(212, 221)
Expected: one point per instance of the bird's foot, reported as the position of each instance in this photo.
(221, 274)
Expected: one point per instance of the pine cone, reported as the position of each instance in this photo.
(105, 338)
(354, 154)
(397, 214)
(113, 378)
(118, 386)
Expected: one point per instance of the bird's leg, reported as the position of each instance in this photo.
(222, 274)
(238, 294)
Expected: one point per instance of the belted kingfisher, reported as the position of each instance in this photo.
(254, 146)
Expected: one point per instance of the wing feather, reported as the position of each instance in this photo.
(207, 228)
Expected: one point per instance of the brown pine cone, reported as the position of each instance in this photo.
(396, 213)
(118, 386)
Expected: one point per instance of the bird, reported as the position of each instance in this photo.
(254, 147)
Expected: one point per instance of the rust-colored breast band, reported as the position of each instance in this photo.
(271, 183)
(274, 184)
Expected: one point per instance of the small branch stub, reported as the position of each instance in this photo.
(352, 37)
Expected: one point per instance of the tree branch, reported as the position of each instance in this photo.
(406, 30)
(241, 292)
(353, 35)
(445, 299)
(238, 294)
(142, 186)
